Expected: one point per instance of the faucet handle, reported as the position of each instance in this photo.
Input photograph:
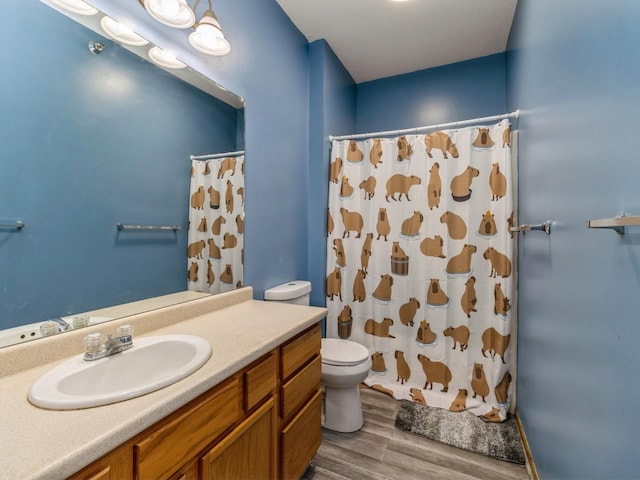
(124, 331)
(93, 343)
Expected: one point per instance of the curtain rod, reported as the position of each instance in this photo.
(217, 155)
(429, 127)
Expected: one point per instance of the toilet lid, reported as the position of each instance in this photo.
(336, 351)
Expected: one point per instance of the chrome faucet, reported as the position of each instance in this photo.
(95, 348)
(53, 326)
(63, 325)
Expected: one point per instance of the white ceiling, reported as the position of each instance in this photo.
(380, 38)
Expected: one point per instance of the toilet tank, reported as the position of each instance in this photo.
(296, 292)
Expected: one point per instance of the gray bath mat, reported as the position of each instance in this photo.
(463, 430)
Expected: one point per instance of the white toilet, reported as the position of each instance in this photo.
(345, 365)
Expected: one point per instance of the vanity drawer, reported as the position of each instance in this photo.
(301, 438)
(300, 387)
(298, 351)
(188, 431)
(260, 380)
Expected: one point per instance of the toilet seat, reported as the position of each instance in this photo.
(339, 352)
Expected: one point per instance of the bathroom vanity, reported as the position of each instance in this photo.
(252, 411)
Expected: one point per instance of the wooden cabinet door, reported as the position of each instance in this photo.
(247, 452)
(116, 465)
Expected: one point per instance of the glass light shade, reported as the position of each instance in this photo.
(76, 6)
(164, 59)
(174, 13)
(121, 33)
(208, 37)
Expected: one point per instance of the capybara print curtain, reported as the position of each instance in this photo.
(216, 225)
(420, 264)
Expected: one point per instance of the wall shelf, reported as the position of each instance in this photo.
(617, 223)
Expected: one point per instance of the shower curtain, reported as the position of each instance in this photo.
(216, 225)
(420, 264)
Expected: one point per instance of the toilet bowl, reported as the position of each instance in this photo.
(345, 365)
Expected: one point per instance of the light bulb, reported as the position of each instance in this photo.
(121, 32)
(174, 13)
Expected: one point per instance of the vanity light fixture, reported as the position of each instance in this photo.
(208, 37)
(121, 33)
(76, 6)
(173, 13)
(164, 59)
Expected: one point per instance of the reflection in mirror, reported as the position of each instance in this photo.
(89, 141)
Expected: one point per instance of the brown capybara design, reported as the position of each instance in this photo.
(216, 226)
(455, 225)
(195, 249)
(432, 247)
(346, 190)
(405, 150)
(202, 226)
(338, 248)
(408, 311)
(494, 343)
(493, 415)
(502, 389)
(425, 335)
(352, 221)
(345, 321)
(459, 404)
(411, 226)
(197, 199)
(511, 222)
(488, 226)
(380, 388)
(377, 363)
(383, 290)
(240, 224)
(227, 275)
(227, 165)
(506, 137)
(378, 329)
(207, 169)
(434, 187)
(400, 184)
(402, 368)
(359, 292)
(497, 183)
(228, 197)
(479, 383)
(214, 198)
(459, 335)
(383, 227)
(435, 295)
(335, 169)
(211, 277)
(469, 298)
(354, 154)
(369, 187)
(375, 155)
(365, 254)
(192, 275)
(229, 240)
(397, 251)
(500, 263)
(483, 140)
(435, 372)
(240, 192)
(501, 304)
(461, 263)
(461, 184)
(417, 396)
(214, 250)
(440, 141)
(330, 224)
(334, 284)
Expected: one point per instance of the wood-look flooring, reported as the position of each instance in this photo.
(380, 451)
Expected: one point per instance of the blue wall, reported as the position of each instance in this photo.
(573, 70)
(459, 91)
(86, 142)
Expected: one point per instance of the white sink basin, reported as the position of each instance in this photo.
(151, 364)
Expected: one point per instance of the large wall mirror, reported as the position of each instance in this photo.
(90, 140)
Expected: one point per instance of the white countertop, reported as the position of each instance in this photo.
(47, 444)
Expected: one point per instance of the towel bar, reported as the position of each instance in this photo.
(543, 227)
(18, 225)
(148, 227)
